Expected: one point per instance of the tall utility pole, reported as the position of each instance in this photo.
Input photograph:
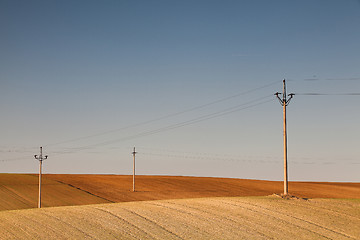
(285, 102)
(134, 153)
(40, 158)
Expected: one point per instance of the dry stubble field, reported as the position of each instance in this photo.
(210, 208)
(201, 218)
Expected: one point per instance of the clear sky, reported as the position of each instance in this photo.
(189, 83)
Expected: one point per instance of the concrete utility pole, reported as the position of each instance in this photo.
(285, 102)
(134, 153)
(40, 158)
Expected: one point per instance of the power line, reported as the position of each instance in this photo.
(15, 151)
(167, 128)
(15, 159)
(207, 154)
(329, 94)
(230, 110)
(234, 158)
(213, 157)
(181, 124)
(166, 116)
(343, 79)
(326, 79)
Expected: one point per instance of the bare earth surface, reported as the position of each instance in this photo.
(117, 188)
(18, 191)
(201, 218)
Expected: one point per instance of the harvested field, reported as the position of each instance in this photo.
(202, 218)
(19, 191)
(117, 188)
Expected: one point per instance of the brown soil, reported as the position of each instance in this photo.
(118, 188)
(18, 191)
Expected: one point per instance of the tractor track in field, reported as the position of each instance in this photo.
(199, 218)
(274, 214)
(151, 222)
(85, 191)
(70, 226)
(198, 213)
(133, 236)
(332, 211)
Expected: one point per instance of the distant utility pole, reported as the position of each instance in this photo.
(134, 153)
(40, 158)
(285, 102)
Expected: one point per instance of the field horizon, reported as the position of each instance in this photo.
(20, 191)
(78, 206)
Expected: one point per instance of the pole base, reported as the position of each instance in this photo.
(288, 196)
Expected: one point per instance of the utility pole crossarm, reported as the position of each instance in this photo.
(280, 100)
(284, 100)
(291, 95)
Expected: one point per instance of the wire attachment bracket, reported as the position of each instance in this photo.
(285, 100)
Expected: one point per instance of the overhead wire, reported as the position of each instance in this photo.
(203, 118)
(233, 158)
(268, 156)
(236, 108)
(329, 94)
(211, 158)
(326, 79)
(12, 150)
(200, 107)
(188, 122)
(15, 159)
(164, 117)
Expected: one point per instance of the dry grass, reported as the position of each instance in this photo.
(205, 218)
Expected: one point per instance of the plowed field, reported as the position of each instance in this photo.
(202, 218)
(117, 188)
(18, 191)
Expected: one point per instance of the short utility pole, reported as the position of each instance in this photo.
(134, 153)
(40, 158)
(284, 101)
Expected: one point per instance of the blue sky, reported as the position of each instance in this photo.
(77, 74)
